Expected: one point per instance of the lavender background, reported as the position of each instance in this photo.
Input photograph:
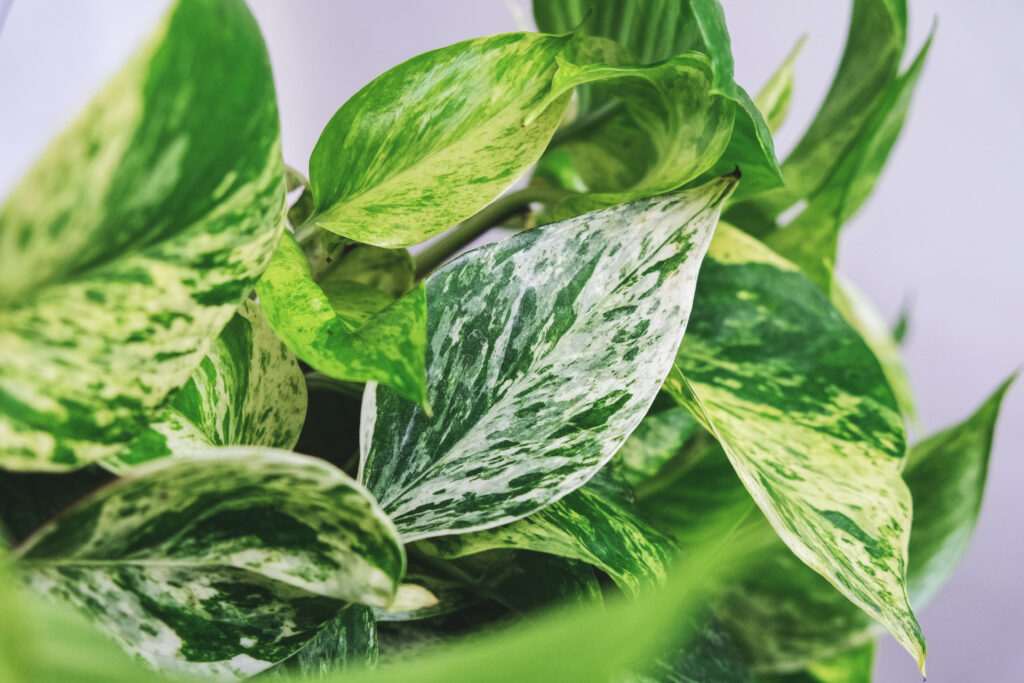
(943, 226)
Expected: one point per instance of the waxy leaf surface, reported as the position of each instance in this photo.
(544, 352)
(345, 643)
(247, 391)
(219, 563)
(340, 336)
(596, 524)
(129, 245)
(433, 140)
(805, 415)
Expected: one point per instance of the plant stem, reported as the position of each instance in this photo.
(490, 216)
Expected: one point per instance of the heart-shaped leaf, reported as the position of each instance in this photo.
(129, 245)
(544, 353)
(221, 562)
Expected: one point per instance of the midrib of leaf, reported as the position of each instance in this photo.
(455, 450)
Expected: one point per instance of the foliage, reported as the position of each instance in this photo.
(634, 441)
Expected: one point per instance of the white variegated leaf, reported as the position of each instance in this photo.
(222, 562)
(129, 245)
(544, 351)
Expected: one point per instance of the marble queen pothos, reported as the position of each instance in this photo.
(244, 438)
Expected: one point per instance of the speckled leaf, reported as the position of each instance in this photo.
(46, 643)
(432, 141)
(596, 524)
(862, 315)
(347, 642)
(340, 340)
(545, 352)
(219, 563)
(666, 131)
(655, 441)
(248, 391)
(810, 239)
(129, 245)
(805, 415)
(789, 617)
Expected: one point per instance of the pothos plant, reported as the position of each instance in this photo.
(244, 431)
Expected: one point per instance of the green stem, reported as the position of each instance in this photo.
(490, 216)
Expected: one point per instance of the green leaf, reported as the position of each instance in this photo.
(667, 130)
(579, 644)
(219, 563)
(751, 147)
(710, 656)
(788, 617)
(946, 474)
(614, 141)
(852, 666)
(347, 642)
(129, 245)
(340, 339)
(433, 140)
(810, 239)
(774, 97)
(248, 391)
(807, 419)
(654, 442)
(43, 643)
(862, 316)
(653, 30)
(596, 524)
(529, 583)
(545, 351)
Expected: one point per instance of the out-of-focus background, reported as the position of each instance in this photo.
(943, 229)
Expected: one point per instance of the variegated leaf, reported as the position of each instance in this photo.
(852, 666)
(432, 141)
(129, 245)
(789, 618)
(668, 129)
(248, 391)
(222, 562)
(346, 643)
(709, 656)
(41, 642)
(618, 138)
(773, 98)
(862, 315)
(545, 351)
(345, 341)
(805, 415)
(596, 524)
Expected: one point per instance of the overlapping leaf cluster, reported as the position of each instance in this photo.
(245, 436)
